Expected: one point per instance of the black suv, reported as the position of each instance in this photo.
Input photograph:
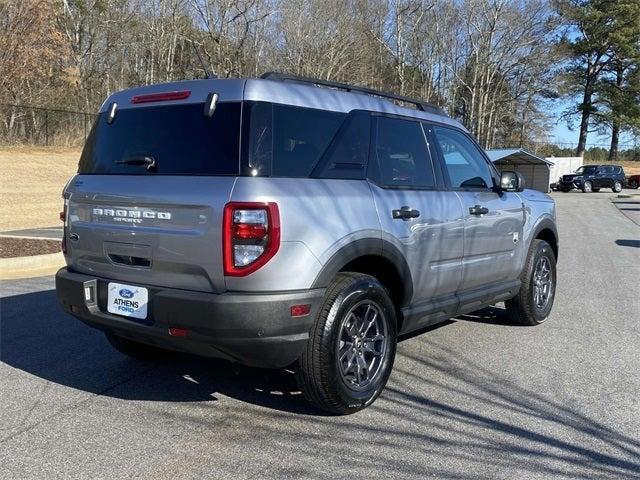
(591, 178)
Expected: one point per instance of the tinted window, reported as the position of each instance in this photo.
(288, 141)
(347, 155)
(180, 138)
(401, 155)
(464, 162)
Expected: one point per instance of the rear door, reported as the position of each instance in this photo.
(493, 220)
(155, 224)
(417, 216)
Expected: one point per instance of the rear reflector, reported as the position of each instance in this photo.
(178, 332)
(300, 310)
(161, 97)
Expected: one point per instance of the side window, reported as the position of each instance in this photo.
(401, 157)
(465, 164)
(286, 141)
(347, 155)
(300, 137)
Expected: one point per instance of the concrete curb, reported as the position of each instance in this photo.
(32, 266)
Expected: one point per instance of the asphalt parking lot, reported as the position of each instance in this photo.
(474, 398)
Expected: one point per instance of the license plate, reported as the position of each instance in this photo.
(127, 300)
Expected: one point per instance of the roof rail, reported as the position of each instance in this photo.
(419, 104)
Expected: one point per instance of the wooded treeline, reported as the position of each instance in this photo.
(496, 65)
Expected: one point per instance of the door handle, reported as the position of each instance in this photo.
(478, 210)
(405, 213)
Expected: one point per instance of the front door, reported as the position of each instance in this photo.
(493, 220)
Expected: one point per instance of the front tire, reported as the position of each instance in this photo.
(534, 301)
(351, 347)
(587, 187)
(617, 186)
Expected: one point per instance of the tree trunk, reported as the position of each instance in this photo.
(586, 113)
(615, 125)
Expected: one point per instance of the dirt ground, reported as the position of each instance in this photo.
(31, 183)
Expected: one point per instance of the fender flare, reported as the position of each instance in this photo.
(547, 224)
(363, 247)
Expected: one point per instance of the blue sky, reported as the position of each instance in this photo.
(561, 133)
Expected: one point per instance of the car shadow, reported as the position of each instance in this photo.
(490, 315)
(36, 336)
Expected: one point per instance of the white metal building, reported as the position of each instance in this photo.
(563, 166)
(534, 169)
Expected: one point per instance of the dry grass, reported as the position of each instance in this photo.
(631, 168)
(31, 183)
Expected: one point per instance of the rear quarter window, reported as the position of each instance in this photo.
(287, 141)
(180, 138)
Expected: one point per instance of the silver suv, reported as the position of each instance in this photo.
(285, 221)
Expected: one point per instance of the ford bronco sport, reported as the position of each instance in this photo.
(283, 221)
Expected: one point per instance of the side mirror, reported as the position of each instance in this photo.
(511, 182)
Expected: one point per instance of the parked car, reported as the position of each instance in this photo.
(284, 221)
(633, 181)
(591, 178)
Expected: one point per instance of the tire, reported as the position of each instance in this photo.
(133, 349)
(633, 184)
(587, 187)
(325, 372)
(617, 186)
(526, 307)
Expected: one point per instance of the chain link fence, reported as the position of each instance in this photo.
(29, 125)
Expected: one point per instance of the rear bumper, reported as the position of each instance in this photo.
(252, 329)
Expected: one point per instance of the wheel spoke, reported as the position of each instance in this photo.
(350, 326)
(370, 348)
(363, 367)
(362, 344)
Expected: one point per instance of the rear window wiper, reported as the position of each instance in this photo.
(139, 160)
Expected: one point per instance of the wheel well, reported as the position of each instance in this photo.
(548, 236)
(386, 273)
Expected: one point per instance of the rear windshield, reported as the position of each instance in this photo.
(178, 139)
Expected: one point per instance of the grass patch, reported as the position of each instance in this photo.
(31, 183)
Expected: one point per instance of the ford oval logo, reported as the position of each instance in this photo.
(125, 293)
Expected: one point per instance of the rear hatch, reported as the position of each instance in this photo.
(147, 203)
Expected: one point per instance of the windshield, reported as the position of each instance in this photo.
(165, 140)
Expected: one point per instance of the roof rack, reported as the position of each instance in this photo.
(420, 105)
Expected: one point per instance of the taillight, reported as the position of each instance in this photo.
(251, 236)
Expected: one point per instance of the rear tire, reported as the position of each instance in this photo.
(617, 186)
(587, 187)
(534, 301)
(351, 347)
(133, 349)
(633, 184)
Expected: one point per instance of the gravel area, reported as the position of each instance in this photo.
(22, 247)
